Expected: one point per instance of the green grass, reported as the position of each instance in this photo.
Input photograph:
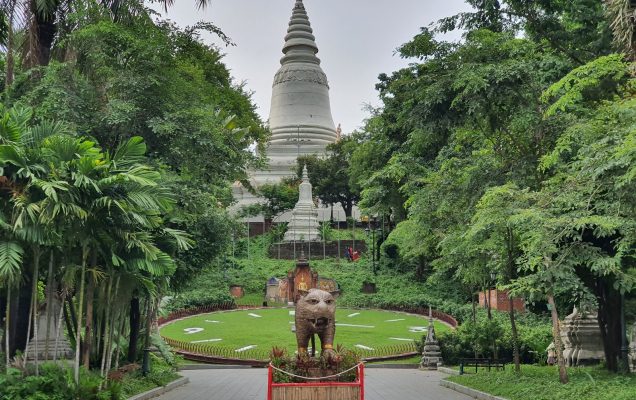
(347, 234)
(410, 360)
(542, 383)
(239, 329)
(160, 375)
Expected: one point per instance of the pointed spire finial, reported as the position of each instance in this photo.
(300, 43)
(305, 174)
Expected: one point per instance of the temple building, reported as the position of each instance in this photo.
(300, 115)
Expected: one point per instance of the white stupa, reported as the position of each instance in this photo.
(303, 225)
(300, 116)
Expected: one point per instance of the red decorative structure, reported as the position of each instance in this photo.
(500, 301)
(237, 291)
(316, 390)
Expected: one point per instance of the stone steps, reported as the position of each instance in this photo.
(64, 351)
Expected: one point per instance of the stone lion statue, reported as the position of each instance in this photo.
(315, 315)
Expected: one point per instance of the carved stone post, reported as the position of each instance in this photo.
(431, 355)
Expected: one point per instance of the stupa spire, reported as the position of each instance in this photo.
(300, 43)
(300, 117)
(305, 174)
(304, 221)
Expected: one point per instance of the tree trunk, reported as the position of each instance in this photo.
(88, 327)
(7, 319)
(556, 336)
(515, 335)
(122, 318)
(513, 323)
(80, 310)
(149, 312)
(70, 318)
(135, 321)
(608, 316)
(36, 277)
(59, 325)
(108, 317)
(472, 300)
(8, 79)
(487, 302)
(49, 305)
(20, 314)
(45, 31)
(348, 208)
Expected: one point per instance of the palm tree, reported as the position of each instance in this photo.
(26, 165)
(622, 15)
(45, 20)
(64, 191)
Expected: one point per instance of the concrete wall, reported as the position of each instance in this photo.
(316, 250)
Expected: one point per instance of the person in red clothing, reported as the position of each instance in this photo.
(348, 253)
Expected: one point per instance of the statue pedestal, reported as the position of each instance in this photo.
(316, 388)
(581, 336)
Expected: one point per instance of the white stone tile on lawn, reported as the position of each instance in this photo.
(251, 346)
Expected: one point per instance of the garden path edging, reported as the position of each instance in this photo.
(158, 391)
(448, 371)
(479, 395)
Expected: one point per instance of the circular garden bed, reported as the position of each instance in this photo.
(251, 334)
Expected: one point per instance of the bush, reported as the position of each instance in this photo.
(343, 360)
(197, 298)
(471, 339)
(54, 383)
(161, 373)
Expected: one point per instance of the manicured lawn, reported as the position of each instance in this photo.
(542, 383)
(239, 329)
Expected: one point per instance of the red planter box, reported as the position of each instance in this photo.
(316, 390)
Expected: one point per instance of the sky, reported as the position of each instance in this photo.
(356, 39)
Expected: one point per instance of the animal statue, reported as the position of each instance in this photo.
(315, 315)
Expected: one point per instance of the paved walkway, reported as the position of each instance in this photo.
(251, 384)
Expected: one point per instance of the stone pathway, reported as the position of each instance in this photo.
(251, 384)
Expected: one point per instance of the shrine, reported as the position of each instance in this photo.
(300, 279)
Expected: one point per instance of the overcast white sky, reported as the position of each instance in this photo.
(356, 38)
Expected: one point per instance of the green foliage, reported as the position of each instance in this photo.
(542, 383)
(510, 153)
(480, 338)
(197, 298)
(598, 80)
(161, 373)
(54, 383)
(279, 197)
(331, 176)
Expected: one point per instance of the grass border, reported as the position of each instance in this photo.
(158, 391)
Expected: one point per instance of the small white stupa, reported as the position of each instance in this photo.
(303, 225)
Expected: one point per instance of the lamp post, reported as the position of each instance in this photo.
(371, 233)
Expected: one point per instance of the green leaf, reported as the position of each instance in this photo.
(10, 261)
